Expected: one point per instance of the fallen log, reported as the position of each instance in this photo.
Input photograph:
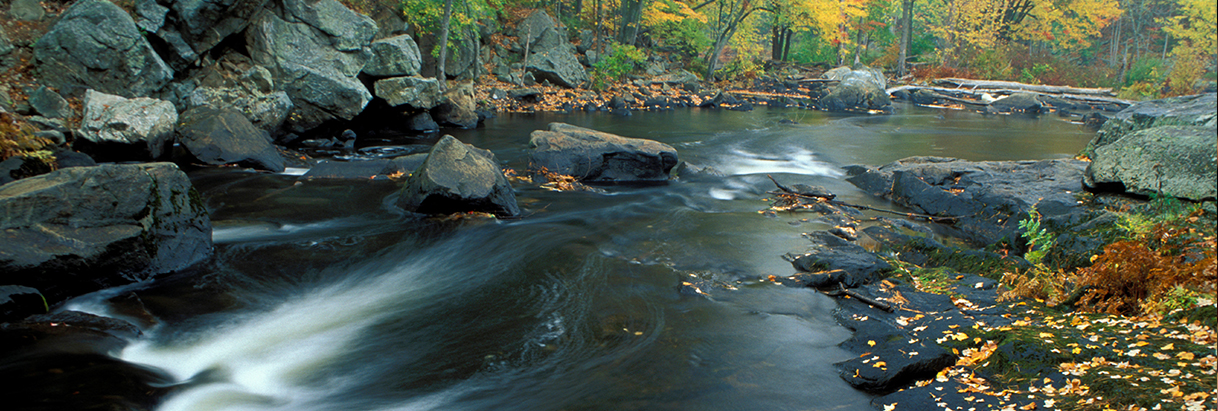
(928, 217)
(841, 290)
(1011, 85)
(954, 94)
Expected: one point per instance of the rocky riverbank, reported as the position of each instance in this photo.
(108, 106)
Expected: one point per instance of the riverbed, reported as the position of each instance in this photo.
(323, 296)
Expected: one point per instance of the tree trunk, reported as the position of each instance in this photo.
(443, 45)
(906, 32)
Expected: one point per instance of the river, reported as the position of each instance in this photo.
(322, 297)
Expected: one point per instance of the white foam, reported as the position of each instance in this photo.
(795, 161)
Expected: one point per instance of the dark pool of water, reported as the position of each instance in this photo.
(323, 297)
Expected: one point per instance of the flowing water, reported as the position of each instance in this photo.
(322, 296)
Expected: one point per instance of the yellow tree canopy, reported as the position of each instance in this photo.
(1069, 24)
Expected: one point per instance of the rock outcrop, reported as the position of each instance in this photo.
(457, 177)
(96, 45)
(1180, 161)
(116, 128)
(393, 57)
(1195, 110)
(988, 198)
(82, 229)
(314, 50)
(594, 156)
(190, 29)
(224, 136)
(551, 55)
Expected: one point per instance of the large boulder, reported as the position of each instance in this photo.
(191, 28)
(859, 90)
(314, 57)
(532, 28)
(117, 128)
(96, 45)
(26, 10)
(594, 156)
(224, 136)
(459, 108)
(1181, 161)
(235, 82)
(987, 199)
(1022, 103)
(48, 103)
(417, 92)
(82, 229)
(1195, 110)
(458, 178)
(558, 66)
(394, 56)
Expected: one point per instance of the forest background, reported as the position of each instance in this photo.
(1141, 48)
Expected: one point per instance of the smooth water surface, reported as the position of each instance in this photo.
(322, 296)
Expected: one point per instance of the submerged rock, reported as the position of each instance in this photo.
(457, 177)
(82, 229)
(594, 156)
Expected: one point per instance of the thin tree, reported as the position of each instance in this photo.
(440, 75)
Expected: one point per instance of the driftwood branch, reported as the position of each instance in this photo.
(1011, 85)
(841, 290)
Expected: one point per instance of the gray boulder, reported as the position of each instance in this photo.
(558, 66)
(50, 104)
(265, 111)
(394, 56)
(1195, 110)
(594, 156)
(96, 45)
(417, 92)
(988, 198)
(459, 108)
(191, 28)
(17, 302)
(117, 128)
(82, 229)
(26, 10)
(455, 178)
(859, 90)
(6, 45)
(1181, 161)
(347, 30)
(317, 70)
(1025, 103)
(533, 27)
(224, 136)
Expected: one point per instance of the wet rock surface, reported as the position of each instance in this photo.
(986, 198)
(458, 178)
(82, 229)
(594, 156)
(224, 136)
(1180, 161)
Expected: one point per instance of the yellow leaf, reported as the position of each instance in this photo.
(1046, 335)
(1185, 355)
(1169, 346)
(879, 364)
(870, 343)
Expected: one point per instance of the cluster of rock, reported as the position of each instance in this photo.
(1165, 147)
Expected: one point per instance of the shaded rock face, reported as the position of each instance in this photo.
(456, 178)
(394, 56)
(594, 156)
(551, 56)
(235, 82)
(117, 128)
(224, 136)
(459, 108)
(314, 51)
(1195, 110)
(830, 253)
(989, 197)
(96, 45)
(49, 103)
(857, 90)
(1181, 161)
(417, 92)
(82, 229)
(17, 302)
(191, 28)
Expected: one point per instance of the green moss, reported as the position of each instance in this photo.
(983, 263)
